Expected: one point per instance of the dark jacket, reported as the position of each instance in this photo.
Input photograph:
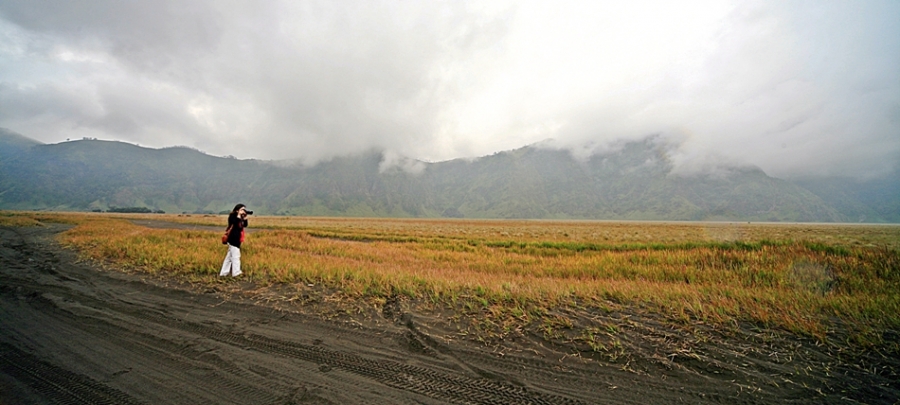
(236, 235)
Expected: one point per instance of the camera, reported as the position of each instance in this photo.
(248, 212)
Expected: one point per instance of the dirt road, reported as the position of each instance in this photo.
(77, 334)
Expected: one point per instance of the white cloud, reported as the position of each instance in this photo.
(392, 161)
(795, 88)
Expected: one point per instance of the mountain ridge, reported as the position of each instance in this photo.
(634, 182)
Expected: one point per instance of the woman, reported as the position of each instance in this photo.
(237, 221)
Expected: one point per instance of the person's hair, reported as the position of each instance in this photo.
(237, 207)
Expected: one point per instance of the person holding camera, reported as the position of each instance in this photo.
(237, 221)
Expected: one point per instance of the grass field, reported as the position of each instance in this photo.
(806, 279)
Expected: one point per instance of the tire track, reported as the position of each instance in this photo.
(437, 385)
(458, 389)
(57, 384)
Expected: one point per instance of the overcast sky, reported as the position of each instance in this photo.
(794, 87)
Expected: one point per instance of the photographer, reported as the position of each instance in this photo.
(237, 221)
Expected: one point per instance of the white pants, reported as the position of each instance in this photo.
(232, 262)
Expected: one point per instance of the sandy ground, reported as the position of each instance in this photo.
(77, 333)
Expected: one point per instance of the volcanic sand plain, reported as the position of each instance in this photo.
(83, 330)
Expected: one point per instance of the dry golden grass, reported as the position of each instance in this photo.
(800, 277)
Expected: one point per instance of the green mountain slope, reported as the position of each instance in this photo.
(875, 200)
(634, 182)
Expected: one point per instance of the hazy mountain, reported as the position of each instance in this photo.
(874, 200)
(635, 181)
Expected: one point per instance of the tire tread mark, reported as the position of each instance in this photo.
(458, 389)
(58, 384)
